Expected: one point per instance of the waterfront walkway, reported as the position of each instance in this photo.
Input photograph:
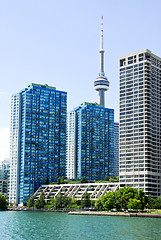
(121, 214)
(94, 213)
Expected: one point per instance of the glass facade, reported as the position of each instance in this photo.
(94, 144)
(41, 151)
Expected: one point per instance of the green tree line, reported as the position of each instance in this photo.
(124, 199)
(60, 202)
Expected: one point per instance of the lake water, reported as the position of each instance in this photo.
(61, 226)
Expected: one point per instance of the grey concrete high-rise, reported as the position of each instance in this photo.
(140, 122)
(101, 84)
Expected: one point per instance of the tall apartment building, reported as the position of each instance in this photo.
(38, 139)
(116, 149)
(90, 143)
(140, 122)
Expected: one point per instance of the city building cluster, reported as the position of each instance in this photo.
(48, 143)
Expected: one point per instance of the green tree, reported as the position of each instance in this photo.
(114, 179)
(107, 178)
(62, 180)
(157, 203)
(150, 202)
(134, 204)
(42, 199)
(129, 192)
(75, 203)
(84, 180)
(3, 202)
(124, 194)
(31, 202)
(124, 201)
(109, 201)
(37, 204)
(85, 201)
(60, 201)
(117, 203)
(40, 202)
(98, 204)
(58, 180)
(117, 179)
(143, 199)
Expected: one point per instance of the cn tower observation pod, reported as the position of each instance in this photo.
(101, 83)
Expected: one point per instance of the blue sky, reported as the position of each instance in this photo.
(57, 42)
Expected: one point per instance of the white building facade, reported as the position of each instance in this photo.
(140, 122)
(71, 145)
(14, 146)
(116, 149)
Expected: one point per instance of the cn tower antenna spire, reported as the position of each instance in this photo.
(101, 84)
(101, 42)
(101, 51)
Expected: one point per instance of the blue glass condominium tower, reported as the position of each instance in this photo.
(38, 139)
(140, 121)
(90, 145)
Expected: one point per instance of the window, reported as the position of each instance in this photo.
(122, 62)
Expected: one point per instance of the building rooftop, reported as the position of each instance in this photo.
(92, 104)
(41, 85)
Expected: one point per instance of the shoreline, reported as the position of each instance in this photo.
(37, 210)
(115, 214)
(90, 213)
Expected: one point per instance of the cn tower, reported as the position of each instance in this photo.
(101, 84)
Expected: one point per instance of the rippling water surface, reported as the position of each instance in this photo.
(61, 226)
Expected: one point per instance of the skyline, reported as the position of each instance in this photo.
(58, 44)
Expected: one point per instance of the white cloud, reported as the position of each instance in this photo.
(4, 143)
